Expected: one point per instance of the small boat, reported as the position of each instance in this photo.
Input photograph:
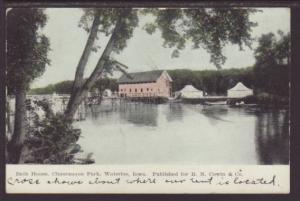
(175, 100)
(244, 105)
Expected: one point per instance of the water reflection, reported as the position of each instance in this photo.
(174, 112)
(106, 108)
(139, 114)
(272, 137)
(215, 114)
(137, 133)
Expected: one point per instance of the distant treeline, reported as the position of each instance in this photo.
(65, 87)
(271, 80)
(213, 82)
(268, 79)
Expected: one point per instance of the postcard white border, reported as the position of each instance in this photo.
(15, 175)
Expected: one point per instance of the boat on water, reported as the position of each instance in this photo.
(175, 100)
(247, 105)
(216, 103)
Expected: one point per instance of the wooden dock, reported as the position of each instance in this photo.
(205, 99)
(160, 100)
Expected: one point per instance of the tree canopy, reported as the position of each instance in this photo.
(207, 28)
(27, 51)
(27, 48)
(273, 51)
(271, 69)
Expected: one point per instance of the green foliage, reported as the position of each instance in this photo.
(208, 28)
(269, 75)
(65, 87)
(273, 79)
(51, 139)
(50, 89)
(27, 48)
(211, 81)
(106, 83)
(126, 18)
(272, 64)
(271, 51)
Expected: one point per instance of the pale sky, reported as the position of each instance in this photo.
(143, 51)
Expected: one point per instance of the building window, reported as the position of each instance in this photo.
(121, 90)
(129, 90)
(135, 90)
(141, 90)
(147, 89)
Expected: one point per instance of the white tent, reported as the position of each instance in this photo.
(239, 91)
(189, 91)
(107, 93)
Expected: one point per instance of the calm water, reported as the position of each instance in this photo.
(137, 133)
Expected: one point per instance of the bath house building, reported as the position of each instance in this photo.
(156, 83)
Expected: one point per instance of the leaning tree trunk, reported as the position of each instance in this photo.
(15, 145)
(79, 94)
(78, 81)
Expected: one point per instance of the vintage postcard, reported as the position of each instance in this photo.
(148, 100)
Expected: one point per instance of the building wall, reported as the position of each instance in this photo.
(162, 87)
(138, 90)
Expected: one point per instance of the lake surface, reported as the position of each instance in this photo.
(177, 133)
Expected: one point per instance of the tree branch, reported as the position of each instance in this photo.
(78, 95)
(104, 57)
(78, 81)
(119, 66)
